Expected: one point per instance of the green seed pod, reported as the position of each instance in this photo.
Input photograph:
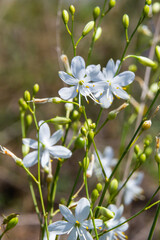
(146, 10)
(157, 157)
(27, 96)
(29, 119)
(11, 224)
(23, 104)
(60, 120)
(98, 34)
(75, 115)
(56, 100)
(112, 115)
(96, 12)
(89, 26)
(148, 151)
(85, 163)
(157, 51)
(80, 142)
(112, 3)
(92, 126)
(136, 149)
(146, 61)
(149, 2)
(65, 16)
(125, 21)
(99, 187)
(83, 131)
(156, 8)
(72, 9)
(146, 125)
(49, 178)
(35, 89)
(94, 195)
(142, 158)
(132, 68)
(90, 135)
(108, 214)
(113, 186)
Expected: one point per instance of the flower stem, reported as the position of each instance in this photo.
(154, 223)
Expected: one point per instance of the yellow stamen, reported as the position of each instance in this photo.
(87, 101)
(77, 222)
(93, 85)
(109, 84)
(87, 86)
(87, 228)
(117, 87)
(124, 88)
(100, 93)
(97, 101)
(51, 160)
(100, 228)
(60, 159)
(77, 90)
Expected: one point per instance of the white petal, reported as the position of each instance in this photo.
(110, 69)
(82, 210)
(119, 92)
(92, 71)
(84, 234)
(44, 132)
(60, 227)
(60, 152)
(124, 78)
(55, 137)
(68, 92)
(108, 152)
(73, 234)
(45, 158)
(30, 142)
(30, 159)
(89, 223)
(67, 214)
(67, 78)
(106, 99)
(78, 67)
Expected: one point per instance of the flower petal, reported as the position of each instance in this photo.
(30, 159)
(82, 209)
(119, 92)
(55, 137)
(73, 234)
(109, 71)
(67, 214)
(45, 158)
(78, 67)
(124, 78)
(84, 234)
(60, 152)
(108, 152)
(68, 92)
(89, 223)
(67, 78)
(92, 71)
(44, 132)
(30, 142)
(60, 227)
(106, 99)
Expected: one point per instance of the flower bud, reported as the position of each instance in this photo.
(146, 10)
(149, 2)
(75, 115)
(85, 163)
(146, 125)
(80, 142)
(154, 87)
(49, 178)
(136, 149)
(125, 21)
(99, 187)
(98, 34)
(56, 100)
(29, 119)
(89, 26)
(89, 171)
(92, 126)
(112, 3)
(157, 51)
(35, 89)
(148, 151)
(157, 157)
(59, 120)
(113, 186)
(107, 214)
(94, 195)
(90, 135)
(65, 16)
(156, 7)
(11, 224)
(27, 96)
(142, 158)
(83, 131)
(66, 64)
(146, 61)
(96, 12)
(112, 115)
(23, 104)
(72, 9)
(132, 68)
(69, 106)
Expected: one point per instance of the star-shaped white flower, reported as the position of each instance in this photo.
(117, 233)
(47, 148)
(76, 226)
(108, 84)
(132, 189)
(108, 161)
(81, 76)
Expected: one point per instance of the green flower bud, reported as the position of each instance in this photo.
(96, 12)
(113, 186)
(75, 115)
(136, 149)
(92, 126)
(99, 187)
(157, 157)
(23, 104)
(80, 142)
(65, 16)
(146, 142)
(72, 9)
(35, 89)
(29, 119)
(142, 158)
(156, 7)
(125, 21)
(146, 61)
(11, 224)
(146, 10)
(63, 201)
(98, 34)
(148, 151)
(94, 195)
(90, 135)
(112, 115)
(57, 100)
(146, 125)
(154, 87)
(149, 2)
(85, 163)
(49, 178)
(112, 3)
(83, 131)
(108, 214)
(27, 96)
(89, 26)
(132, 68)
(59, 120)
(157, 51)
(25, 149)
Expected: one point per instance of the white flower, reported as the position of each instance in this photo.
(132, 188)
(108, 161)
(52, 236)
(76, 226)
(81, 76)
(108, 84)
(117, 233)
(47, 147)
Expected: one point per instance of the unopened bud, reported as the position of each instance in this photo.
(75, 115)
(89, 26)
(89, 171)
(94, 195)
(69, 106)
(146, 125)
(85, 163)
(112, 115)
(56, 100)
(96, 12)
(59, 120)
(157, 157)
(65, 61)
(112, 3)
(99, 187)
(136, 149)
(90, 135)
(132, 68)
(98, 34)
(29, 119)
(146, 61)
(125, 21)
(25, 149)
(83, 131)
(157, 51)
(142, 158)
(146, 10)
(72, 9)
(23, 104)
(148, 151)
(35, 89)
(149, 2)
(49, 178)
(154, 87)
(92, 126)
(27, 96)
(80, 142)
(156, 8)
(107, 214)
(11, 224)
(113, 186)
(65, 16)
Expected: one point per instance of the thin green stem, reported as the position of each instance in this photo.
(154, 223)
(103, 124)
(78, 41)
(30, 174)
(98, 118)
